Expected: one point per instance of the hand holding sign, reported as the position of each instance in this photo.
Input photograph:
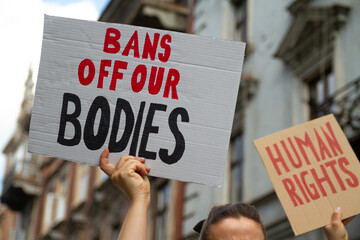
(129, 175)
(336, 229)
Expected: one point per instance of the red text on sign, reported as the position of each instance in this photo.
(88, 65)
(302, 150)
(150, 47)
(312, 184)
(155, 80)
(86, 74)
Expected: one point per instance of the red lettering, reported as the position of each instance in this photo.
(138, 86)
(294, 150)
(325, 178)
(297, 180)
(290, 188)
(112, 36)
(116, 74)
(322, 147)
(353, 182)
(164, 44)
(155, 82)
(296, 165)
(307, 143)
(277, 160)
(333, 143)
(171, 82)
(332, 164)
(81, 72)
(103, 73)
(149, 47)
(314, 195)
(133, 44)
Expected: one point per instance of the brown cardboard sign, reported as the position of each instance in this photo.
(313, 170)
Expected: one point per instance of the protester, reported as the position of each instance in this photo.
(230, 220)
(226, 221)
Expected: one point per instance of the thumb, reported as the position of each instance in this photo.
(335, 229)
(105, 166)
(336, 216)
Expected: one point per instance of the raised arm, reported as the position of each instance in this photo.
(130, 176)
(336, 229)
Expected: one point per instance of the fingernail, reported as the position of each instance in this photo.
(142, 158)
(338, 209)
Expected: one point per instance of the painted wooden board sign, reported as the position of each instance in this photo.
(313, 170)
(166, 96)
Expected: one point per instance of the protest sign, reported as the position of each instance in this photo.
(313, 170)
(166, 96)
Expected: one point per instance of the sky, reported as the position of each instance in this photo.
(21, 26)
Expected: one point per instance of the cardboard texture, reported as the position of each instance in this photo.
(166, 96)
(313, 170)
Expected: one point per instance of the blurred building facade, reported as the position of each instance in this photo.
(298, 66)
(301, 63)
(22, 180)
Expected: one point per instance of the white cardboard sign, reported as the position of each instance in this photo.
(166, 96)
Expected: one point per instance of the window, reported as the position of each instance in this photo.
(81, 184)
(190, 211)
(84, 182)
(60, 194)
(237, 152)
(240, 27)
(19, 158)
(29, 168)
(308, 46)
(163, 199)
(55, 202)
(49, 204)
(24, 164)
(321, 88)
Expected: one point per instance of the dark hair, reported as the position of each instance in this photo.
(219, 213)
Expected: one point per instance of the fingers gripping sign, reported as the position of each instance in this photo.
(129, 175)
(105, 166)
(336, 229)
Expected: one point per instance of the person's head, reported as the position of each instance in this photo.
(233, 220)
